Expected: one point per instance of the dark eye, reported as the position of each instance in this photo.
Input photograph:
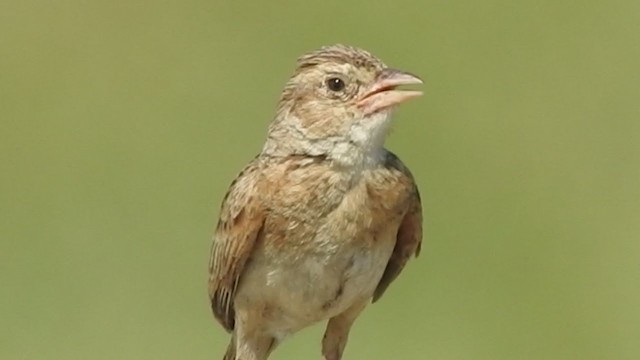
(335, 84)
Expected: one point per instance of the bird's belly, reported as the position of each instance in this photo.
(295, 292)
(325, 285)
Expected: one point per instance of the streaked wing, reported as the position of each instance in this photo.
(409, 237)
(241, 220)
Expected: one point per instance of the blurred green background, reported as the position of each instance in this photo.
(122, 124)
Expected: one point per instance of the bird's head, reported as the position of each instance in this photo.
(338, 104)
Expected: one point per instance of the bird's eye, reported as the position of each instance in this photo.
(335, 84)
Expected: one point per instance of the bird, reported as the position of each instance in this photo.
(324, 218)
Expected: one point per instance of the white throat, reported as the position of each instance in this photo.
(364, 144)
(361, 146)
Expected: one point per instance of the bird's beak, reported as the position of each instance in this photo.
(383, 93)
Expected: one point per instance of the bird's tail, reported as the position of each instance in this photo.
(231, 350)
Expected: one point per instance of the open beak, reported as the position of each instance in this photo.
(383, 93)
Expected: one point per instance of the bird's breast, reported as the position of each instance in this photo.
(325, 243)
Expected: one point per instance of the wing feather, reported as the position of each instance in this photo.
(241, 221)
(409, 236)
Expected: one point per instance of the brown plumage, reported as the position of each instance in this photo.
(324, 218)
